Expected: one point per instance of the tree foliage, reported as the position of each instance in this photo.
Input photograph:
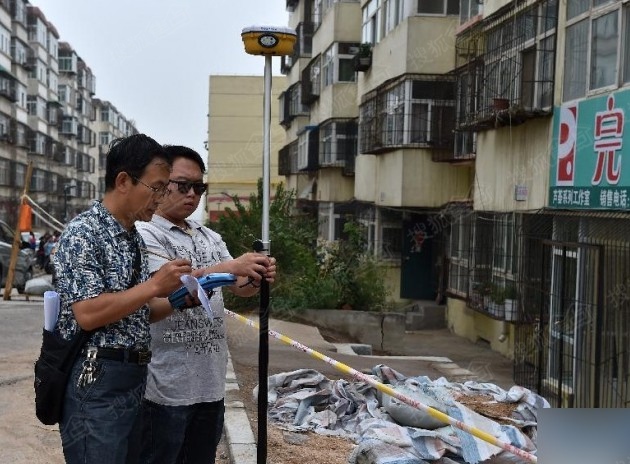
(312, 273)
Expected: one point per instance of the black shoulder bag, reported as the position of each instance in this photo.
(54, 365)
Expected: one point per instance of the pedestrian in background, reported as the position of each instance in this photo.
(103, 283)
(183, 406)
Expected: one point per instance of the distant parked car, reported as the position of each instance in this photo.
(24, 265)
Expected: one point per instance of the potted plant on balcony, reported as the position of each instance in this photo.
(497, 303)
(363, 58)
(511, 303)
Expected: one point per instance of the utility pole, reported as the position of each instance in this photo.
(17, 236)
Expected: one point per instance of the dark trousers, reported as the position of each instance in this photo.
(100, 423)
(181, 434)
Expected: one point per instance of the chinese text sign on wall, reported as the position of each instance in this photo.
(587, 166)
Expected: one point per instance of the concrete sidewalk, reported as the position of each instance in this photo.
(435, 353)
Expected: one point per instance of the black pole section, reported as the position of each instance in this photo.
(263, 364)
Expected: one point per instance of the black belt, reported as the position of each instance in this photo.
(123, 354)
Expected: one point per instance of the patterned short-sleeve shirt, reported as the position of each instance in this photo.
(95, 254)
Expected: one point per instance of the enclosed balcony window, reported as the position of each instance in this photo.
(338, 63)
(505, 68)
(416, 111)
(438, 7)
(69, 125)
(337, 142)
(468, 9)
(597, 34)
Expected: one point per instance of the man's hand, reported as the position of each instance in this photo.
(167, 278)
(270, 273)
(252, 265)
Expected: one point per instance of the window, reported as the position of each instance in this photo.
(38, 180)
(307, 149)
(68, 62)
(468, 9)
(438, 7)
(414, 111)
(337, 63)
(20, 173)
(372, 23)
(5, 178)
(317, 13)
(604, 46)
(505, 246)
(337, 142)
(394, 13)
(575, 59)
(69, 125)
(596, 36)
(104, 138)
(36, 106)
(19, 51)
(459, 252)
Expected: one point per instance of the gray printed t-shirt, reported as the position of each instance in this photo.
(189, 350)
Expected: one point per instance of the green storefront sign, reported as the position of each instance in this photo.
(588, 170)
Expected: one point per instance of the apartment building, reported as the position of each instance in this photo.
(538, 264)
(47, 117)
(369, 128)
(484, 153)
(235, 138)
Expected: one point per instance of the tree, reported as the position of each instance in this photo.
(312, 273)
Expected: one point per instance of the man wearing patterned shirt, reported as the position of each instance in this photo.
(183, 406)
(103, 283)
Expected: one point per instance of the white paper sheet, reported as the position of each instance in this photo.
(197, 290)
(51, 310)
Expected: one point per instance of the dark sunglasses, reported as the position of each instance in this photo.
(184, 186)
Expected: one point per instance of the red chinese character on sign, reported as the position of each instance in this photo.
(608, 140)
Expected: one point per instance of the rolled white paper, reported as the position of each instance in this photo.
(194, 288)
(51, 309)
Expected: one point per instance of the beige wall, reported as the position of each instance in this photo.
(341, 23)
(465, 322)
(418, 45)
(235, 135)
(332, 186)
(513, 156)
(335, 101)
(409, 178)
(365, 177)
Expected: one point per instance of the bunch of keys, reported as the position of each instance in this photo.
(89, 368)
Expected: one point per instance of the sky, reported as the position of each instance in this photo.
(152, 58)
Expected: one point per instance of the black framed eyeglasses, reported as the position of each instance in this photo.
(159, 192)
(184, 186)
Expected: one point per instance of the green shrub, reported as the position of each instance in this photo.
(312, 274)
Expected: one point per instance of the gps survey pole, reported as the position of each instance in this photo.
(268, 42)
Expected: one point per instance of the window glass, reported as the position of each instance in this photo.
(346, 70)
(452, 7)
(575, 57)
(549, 9)
(576, 7)
(546, 58)
(604, 41)
(597, 3)
(431, 6)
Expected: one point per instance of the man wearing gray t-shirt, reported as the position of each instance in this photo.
(183, 404)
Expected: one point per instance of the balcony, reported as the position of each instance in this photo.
(414, 111)
(505, 68)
